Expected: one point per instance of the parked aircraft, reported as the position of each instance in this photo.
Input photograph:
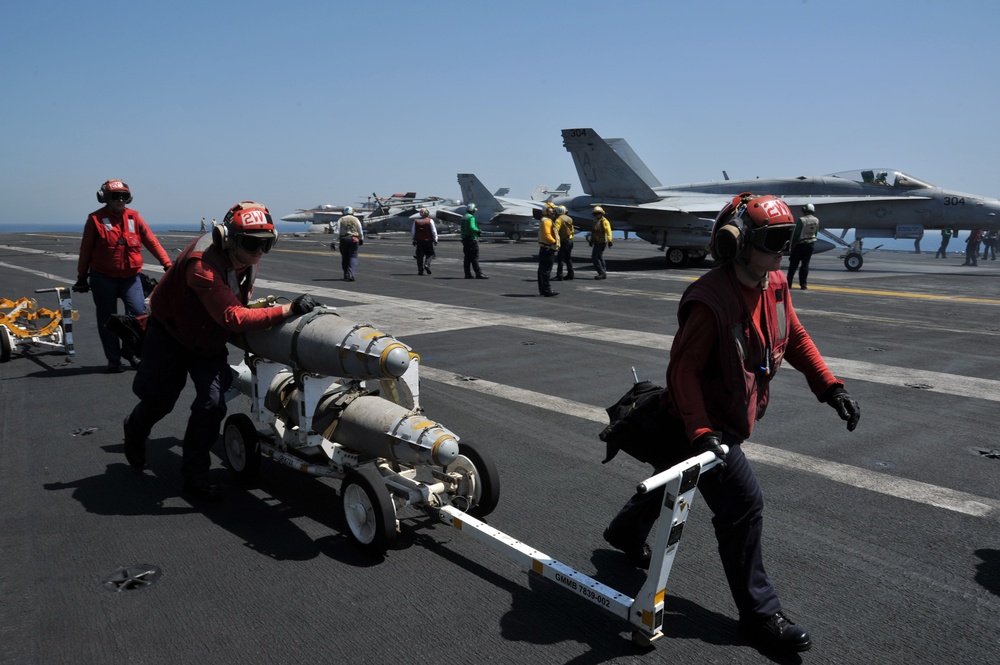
(515, 218)
(376, 211)
(876, 203)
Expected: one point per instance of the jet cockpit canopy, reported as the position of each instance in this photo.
(883, 177)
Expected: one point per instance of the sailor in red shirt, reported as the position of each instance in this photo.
(737, 326)
(111, 256)
(195, 309)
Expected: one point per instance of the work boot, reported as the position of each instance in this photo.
(557, 278)
(135, 449)
(551, 294)
(481, 276)
(427, 269)
(115, 367)
(569, 276)
(776, 632)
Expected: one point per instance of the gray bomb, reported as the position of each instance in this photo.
(323, 343)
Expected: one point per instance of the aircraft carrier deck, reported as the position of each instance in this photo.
(884, 543)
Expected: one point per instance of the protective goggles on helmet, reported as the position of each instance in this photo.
(253, 244)
(772, 239)
(117, 196)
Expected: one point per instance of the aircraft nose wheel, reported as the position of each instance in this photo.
(853, 261)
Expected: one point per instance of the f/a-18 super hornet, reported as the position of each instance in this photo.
(375, 213)
(876, 203)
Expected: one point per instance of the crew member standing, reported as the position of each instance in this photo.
(470, 243)
(942, 252)
(599, 239)
(548, 246)
(565, 231)
(425, 237)
(803, 243)
(195, 309)
(111, 256)
(972, 248)
(351, 239)
(716, 390)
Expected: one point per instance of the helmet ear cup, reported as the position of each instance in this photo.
(728, 242)
(100, 195)
(220, 234)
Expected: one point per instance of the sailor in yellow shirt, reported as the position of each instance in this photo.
(548, 245)
(599, 238)
(565, 231)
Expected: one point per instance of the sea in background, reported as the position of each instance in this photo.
(930, 241)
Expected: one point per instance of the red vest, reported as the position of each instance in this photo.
(737, 378)
(422, 228)
(118, 252)
(180, 310)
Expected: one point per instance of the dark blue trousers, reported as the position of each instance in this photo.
(546, 257)
(737, 504)
(162, 374)
(107, 292)
(348, 256)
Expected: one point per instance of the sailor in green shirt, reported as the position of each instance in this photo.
(470, 243)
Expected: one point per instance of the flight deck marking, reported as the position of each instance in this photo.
(902, 488)
(390, 308)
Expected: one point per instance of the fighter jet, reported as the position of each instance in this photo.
(514, 218)
(324, 218)
(876, 203)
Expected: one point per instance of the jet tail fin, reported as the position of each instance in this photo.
(473, 191)
(603, 173)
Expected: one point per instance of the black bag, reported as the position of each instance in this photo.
(644, 428)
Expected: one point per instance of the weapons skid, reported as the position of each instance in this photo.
(24, 324)
(388, 455)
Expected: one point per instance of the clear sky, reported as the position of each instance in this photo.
(198, 105)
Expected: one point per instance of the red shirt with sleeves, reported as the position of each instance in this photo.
(202, 300)
(112, 244)
(697, 341)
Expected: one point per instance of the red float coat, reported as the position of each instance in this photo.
(112, 244)
(202, 300)
(731, 341)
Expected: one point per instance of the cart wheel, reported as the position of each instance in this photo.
(242, 445)
(368, 510)
(5, 346)
(483, 476)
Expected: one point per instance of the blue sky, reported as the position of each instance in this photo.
(198, 105)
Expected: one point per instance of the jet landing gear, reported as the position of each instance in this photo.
(853, 261)
(676, 257)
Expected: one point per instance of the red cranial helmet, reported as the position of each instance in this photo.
(249, 225)
(764, 222)
(114, 190)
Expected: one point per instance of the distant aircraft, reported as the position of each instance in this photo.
(515, 218)
(376, 211)
(877, 203)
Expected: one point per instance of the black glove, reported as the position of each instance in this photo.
(435, 243)
(304, 304)
(414, 243)
(611, 244)
(846, 407)
(81, 285)
(710, 442)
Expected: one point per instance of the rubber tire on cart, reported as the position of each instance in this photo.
(368, 510)
(5, 346)
(480, 466)
(242, 446)
(853, 261)
(676, 257)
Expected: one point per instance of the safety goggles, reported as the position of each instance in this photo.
(118, 196)
(772, 239)
(254, 244)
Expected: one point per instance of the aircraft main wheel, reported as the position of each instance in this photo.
(5, 346)
(676, 257)
(242, 444)
(481, 473)
(853, 261)
(515, 236)
(368, 510)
